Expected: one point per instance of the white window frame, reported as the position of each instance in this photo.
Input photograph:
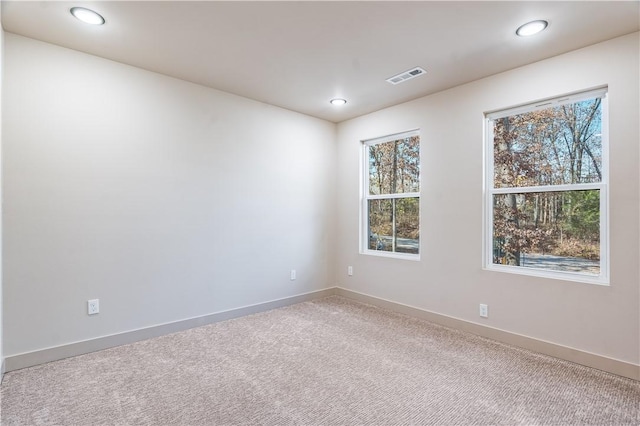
(602, 186)
(365, 197)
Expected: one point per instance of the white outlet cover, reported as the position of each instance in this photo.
(93, 306)
(484, 310)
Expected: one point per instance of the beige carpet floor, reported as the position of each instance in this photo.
(327, 362)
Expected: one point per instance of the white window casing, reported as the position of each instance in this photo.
(366, 197)
(490, 190)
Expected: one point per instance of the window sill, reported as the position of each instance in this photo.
(392, 255)
(556, 275)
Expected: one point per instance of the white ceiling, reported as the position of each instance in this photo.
(299, 55)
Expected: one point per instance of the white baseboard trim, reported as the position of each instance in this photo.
(610, 365)
(29, 359)
(1, 370)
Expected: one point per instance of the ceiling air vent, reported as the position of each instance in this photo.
(407, 75)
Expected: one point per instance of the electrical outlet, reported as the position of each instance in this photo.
(93, 306)
(484, 310)
(350, 270)
(293, 274)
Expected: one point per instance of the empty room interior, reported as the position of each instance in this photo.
(320, 212)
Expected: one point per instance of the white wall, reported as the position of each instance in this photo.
(164, 199)
(449, 279)
(1, 286)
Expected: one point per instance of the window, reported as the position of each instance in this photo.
(546, 179)
(391, 201)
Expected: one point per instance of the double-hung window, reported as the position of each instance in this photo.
(546, 188)
(391, 196)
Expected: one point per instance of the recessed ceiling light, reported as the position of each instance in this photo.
(531, 28)
(87, 16)
(338, 101)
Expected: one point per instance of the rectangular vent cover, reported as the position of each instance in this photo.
(407, 75)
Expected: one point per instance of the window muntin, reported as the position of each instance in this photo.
(391, 201)
(547, 188)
